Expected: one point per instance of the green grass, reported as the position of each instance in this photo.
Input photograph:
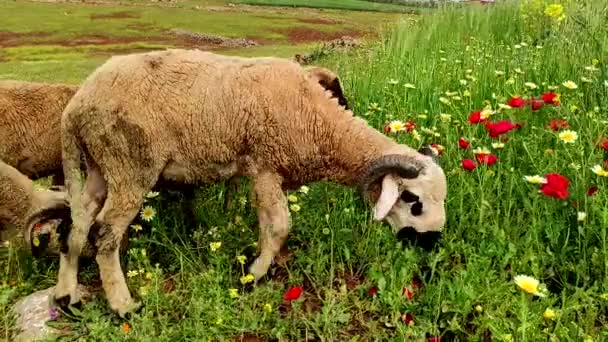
(498, 225)
(351, 5)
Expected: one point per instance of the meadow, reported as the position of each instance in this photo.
(514, 99)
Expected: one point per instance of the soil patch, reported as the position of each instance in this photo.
(318, 21)
(306, 35)
(115, 15)
(195, 38)
(9, 39)
(248, 337)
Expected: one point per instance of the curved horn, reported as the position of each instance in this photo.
(56, 208)
(400, 165)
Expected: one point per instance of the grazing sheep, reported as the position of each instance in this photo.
(30, 122)
(19, 200)
(193, 117)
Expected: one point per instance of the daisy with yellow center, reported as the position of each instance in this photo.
(396, 126)
(528, 284)
(568, 136)
(148, 213)
(570, 85)
(536, 179)
(599, 170)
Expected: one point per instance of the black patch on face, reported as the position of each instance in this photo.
(417, 209)
(426, 241)
(426, 150)
(409, 197)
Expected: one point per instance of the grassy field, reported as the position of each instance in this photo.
(351, 5)
(359, 282)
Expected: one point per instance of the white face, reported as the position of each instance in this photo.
(418, 203)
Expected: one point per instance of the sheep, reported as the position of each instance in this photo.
(194, 117)
(30, 123)
(20, 200)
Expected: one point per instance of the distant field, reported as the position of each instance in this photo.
(352, 5)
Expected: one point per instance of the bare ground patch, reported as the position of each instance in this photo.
(9, 39)
(115, 15)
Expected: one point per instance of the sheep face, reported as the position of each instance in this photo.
(410, 198)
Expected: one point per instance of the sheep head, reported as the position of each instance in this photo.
(48, 224)
(408, 191)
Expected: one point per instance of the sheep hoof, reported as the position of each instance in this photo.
(64, 304)
(129, 311)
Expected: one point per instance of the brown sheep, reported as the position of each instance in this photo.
(193, 117)
(30, 121)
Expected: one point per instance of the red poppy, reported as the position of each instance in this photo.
(468, 165)
(592, 191)
(387, 128)
(557, 124)
(372, 291)
(501, 127)
(434, 339)
(406, 292)
(463, 143)
(604, 144)
(556, 186)
(606, 163)
(486, 159)
(416, 284)
(535, 104)
(550, 98)
(475, 118)
(408, 318)
(516, 102)
(410, 125)
(293, 293)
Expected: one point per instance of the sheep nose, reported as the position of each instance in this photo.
(426, 240)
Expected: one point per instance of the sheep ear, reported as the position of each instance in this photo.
(388, 197)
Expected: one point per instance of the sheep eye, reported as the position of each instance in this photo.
(417, 209)
(409, 197)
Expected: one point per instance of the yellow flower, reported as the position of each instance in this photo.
(215, 246)
(444, 100)
(479, 308)
(530, 85)
(463, 82)
(499, 73)
(535, 179)
(132, 273)
(416, 135)
(152, 194)
(375, 107)
(292, 198)
(396, 126)
(247, 279)
(304, 189)
(241, 259)
(554, 10)
(466, 93)
(486, 113)
(570, 85)
(481, 150)
(295, 208)
(219, 320)
(393, 81)
(588, 339)
(586, 80)
(604, 296)
(599, 170)
(410, 86)
(498, 145)
(568, 136)
(445, 117)
(268, 308)
(528, 284)
(549, 314)
(136, 227)
(451, 93)
(148, 213)
(581, 216)
(504, 106)
(234, 293)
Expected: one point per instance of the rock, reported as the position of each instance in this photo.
(34, 311)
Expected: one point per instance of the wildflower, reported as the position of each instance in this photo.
(148, 213)
(53, 313)
(530, 85)
(535, 104)
(409, 85)
(510, 80)
(407, 293)
(486, 113)
(499, 73)
(516, 102)
(126, 328)
(295, 208)
(372, 291)
(468, 165)
(570, 85)
(554, 11)
(498, 145)
(557, 124)
(374, 107)
(393, 81)
(535, 179)
(268, 308)
(247, 279)
(214, 246)
(416, 135)
(396, 126)
(444, 100)
(550, 98)
(132, 273)
(504, 106)
(219, 321)
(599, 170)
(497, 128)
(451, 93)
(568, 136)
(304, 189)
(481, 150)
(486, 159)
(241, 259)
(137, 227)
(479, 308)
(445, 117)
(463, 143)
(152, 194)
(528, 284)
(466, 93)
(408, 318)
(463, 82)
(592, 191)
(586, 80)
(234, 293)
(293, 293)
(581, 216)
(475, 118)
(549, 314)
(434, 339)
(604, 144)
(556, 186)
(292, 198)
(410, 125)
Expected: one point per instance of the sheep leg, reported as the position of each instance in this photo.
(118, 212)
(273, 216)
(84, 205)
